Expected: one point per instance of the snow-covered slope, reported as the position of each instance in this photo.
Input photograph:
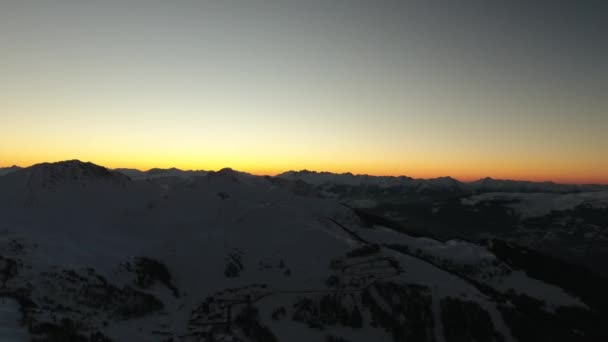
(90, 254)
(498, 185)
(7, 170)
(328, 180)
(539, 204)
(62, 185)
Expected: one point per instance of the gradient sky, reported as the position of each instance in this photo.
(508, 89)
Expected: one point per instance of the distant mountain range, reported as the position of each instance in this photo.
(326, 180)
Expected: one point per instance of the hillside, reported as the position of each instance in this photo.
(90, 254)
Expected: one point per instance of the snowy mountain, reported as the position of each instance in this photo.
(160, 173)
(496, 185)
(529, 205)
(49, 182)
(91, 254)
(347, 185)
(72, 171)
(321, 178)
(336, 182)
(573, 226)
(327, 180)
(7, 170)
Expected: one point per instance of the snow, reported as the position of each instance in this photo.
(161, 173)
(194, 227)
(460, 252)
(363, 203)
(498, 185)
(10, 330)
(553, 296)
(540, 204)
(7, 170)
(324, 179)
(321, 178)
(77, 216)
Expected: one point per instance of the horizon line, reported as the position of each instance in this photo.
(459, 179)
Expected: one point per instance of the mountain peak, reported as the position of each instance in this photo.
(159, 170)
(228, 172)
(70, 171)
(7, 170)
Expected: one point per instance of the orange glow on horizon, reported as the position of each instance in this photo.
(464, 173)
(353, 89)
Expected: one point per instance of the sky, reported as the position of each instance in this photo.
(468, 89)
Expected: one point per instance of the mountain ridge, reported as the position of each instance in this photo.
(304, 173)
